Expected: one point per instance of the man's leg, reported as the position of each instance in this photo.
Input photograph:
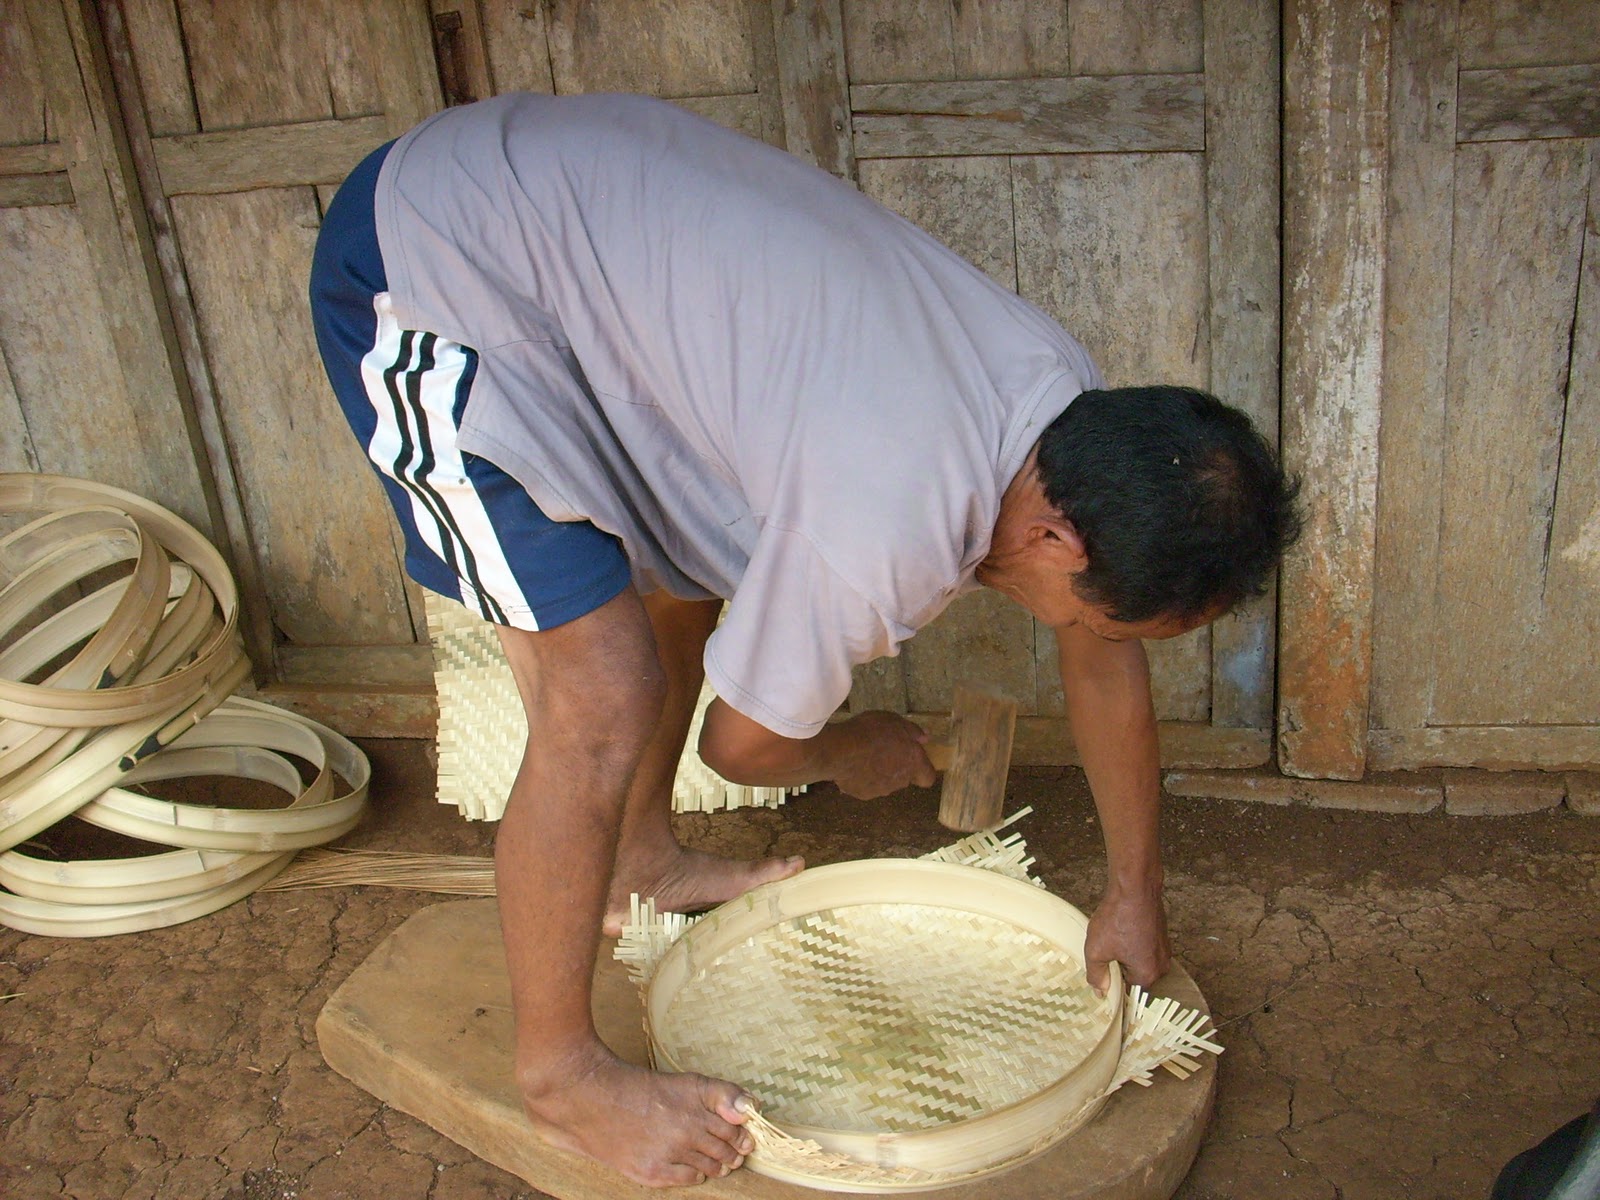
(594, 690)
(649, 859)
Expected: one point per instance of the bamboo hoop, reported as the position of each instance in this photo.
(229, 741)
(37, 802)
(102, 920)
(143, 695)
(216, 658)
(173, 635)
(125, 880)
(940, 1010)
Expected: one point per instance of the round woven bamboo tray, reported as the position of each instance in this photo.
(929, 1021)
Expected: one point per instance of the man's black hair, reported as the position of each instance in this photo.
(1180, 502)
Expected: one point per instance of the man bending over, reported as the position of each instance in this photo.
(616, 365)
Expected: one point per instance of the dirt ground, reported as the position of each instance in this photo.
(1406, 1001)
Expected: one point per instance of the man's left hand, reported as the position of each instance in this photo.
(1129, 927)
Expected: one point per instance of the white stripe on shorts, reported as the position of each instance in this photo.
(412, 379)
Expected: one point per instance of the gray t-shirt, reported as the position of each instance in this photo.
(769, 387)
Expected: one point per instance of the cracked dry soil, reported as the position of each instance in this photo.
(1406, 1002)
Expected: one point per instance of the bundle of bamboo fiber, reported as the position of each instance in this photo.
(120, 654)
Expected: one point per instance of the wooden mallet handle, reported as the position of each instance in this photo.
(976, 761)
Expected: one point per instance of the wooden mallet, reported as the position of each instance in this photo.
(975, 760)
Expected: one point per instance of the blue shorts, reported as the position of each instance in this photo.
(472, 532)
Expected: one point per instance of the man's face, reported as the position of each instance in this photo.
(1056, 603)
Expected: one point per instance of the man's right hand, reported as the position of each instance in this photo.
(868, 755)
(875, 753)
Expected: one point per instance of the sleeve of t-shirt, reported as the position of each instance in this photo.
(783, 653)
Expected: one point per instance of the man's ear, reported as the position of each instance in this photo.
(1059, 538)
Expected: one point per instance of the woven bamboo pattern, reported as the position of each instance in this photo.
(903, 1024)
(482, 728)
(878, 1035)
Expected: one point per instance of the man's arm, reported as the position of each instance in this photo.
(869, 755)
(1107, 690)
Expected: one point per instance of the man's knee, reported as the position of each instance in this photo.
(606, 710)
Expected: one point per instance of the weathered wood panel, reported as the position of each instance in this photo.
(273, 62)
(983, 637)
(663, 47)
(16, 443)
(332, 573)
(237, 160)
(155, 35)
(1493, 748)
(233, 532)
(1416, 339)
(1035, 116)
(1242, 214)
(62, 362)
(460, 51)
(1094, 231)
(21, 191)
(518, 45)
(121, 272)
(964, 202)
(896, 41)
(1566, 666)
(1336, 75)
(1047, 741)
(1530, 102)
(36, 158)
(1520, 211)
(1010, 39)
(809, 53)
(24, 117)
(1528, 33)
(399, 35)
(1115, 37)
(372, 665)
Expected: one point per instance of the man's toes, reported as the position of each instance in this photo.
(782, 868)
(721, 1148)
(705, 1164)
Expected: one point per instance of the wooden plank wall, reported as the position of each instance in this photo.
(164, 165)
(1076, 152)
(1485, 605)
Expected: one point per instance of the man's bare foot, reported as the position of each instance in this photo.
(658, 1130)
(687, 881)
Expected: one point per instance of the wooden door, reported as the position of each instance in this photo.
(1467, 518)
(1489, 542)
(87, 379)
(1115, 163)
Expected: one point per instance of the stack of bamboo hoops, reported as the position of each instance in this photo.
(119, 654)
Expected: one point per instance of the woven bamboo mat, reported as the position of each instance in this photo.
(877, 1035)
(482, 729)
